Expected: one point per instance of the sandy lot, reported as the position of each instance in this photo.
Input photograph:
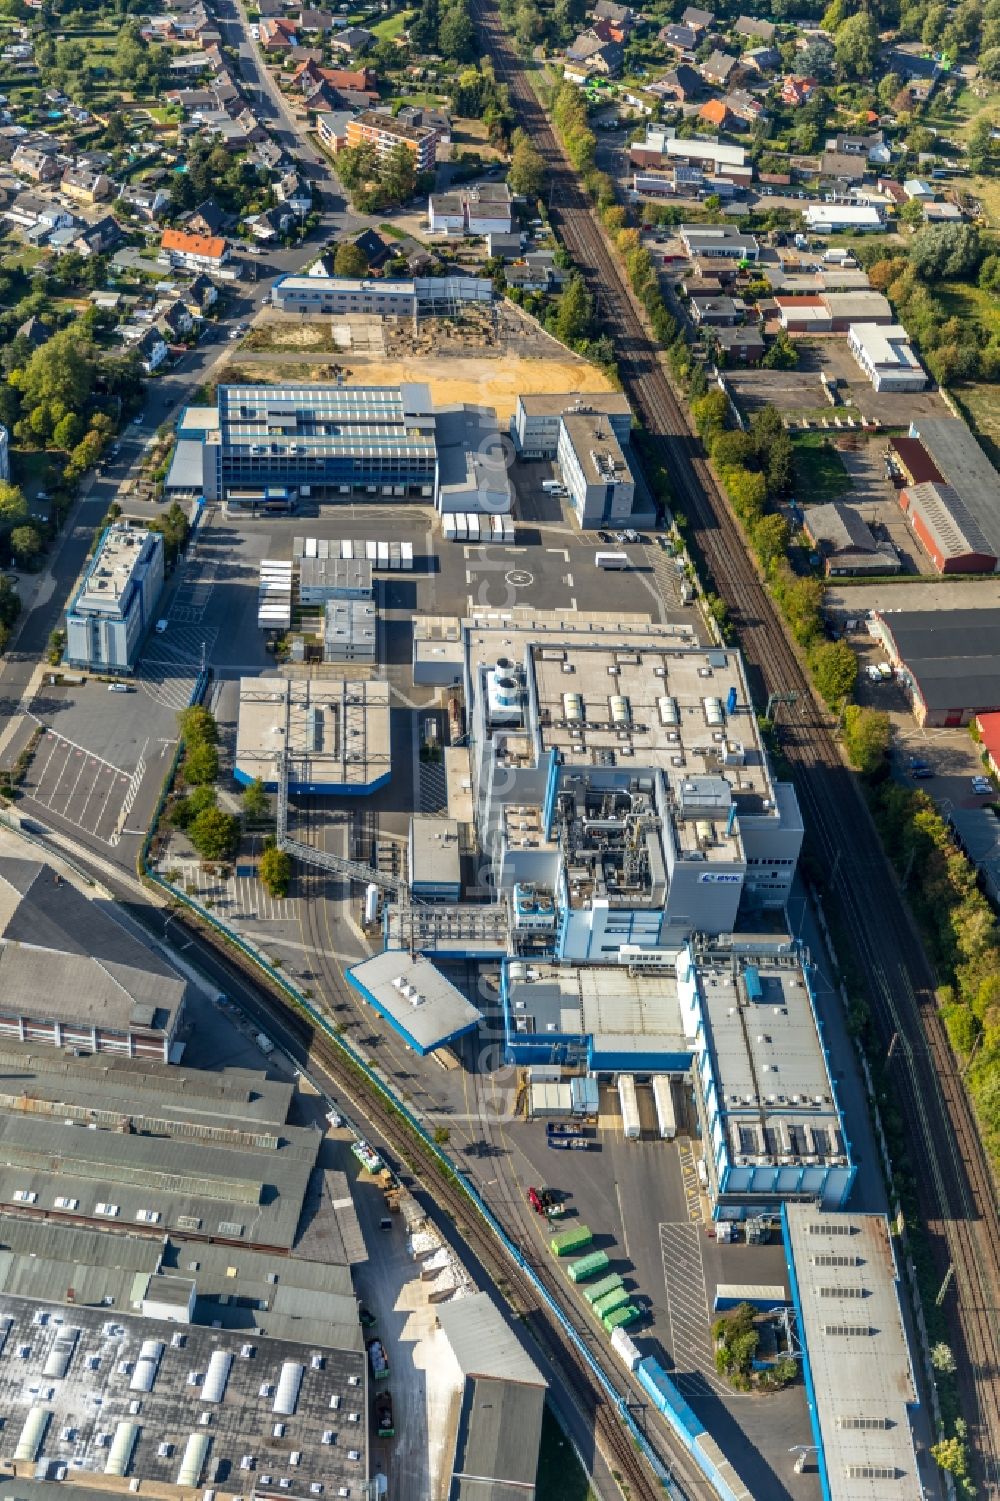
(495, 382)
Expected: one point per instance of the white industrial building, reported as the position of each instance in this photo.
(116, 602)
(618, 772)
(350, 631)
(854, 218)
(328, 735)
(886, 356)
(387, 297)
(594, 469)
(537, 419)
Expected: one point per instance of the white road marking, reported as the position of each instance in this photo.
(569, 581)
(621, 1213)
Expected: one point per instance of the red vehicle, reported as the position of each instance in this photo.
(535, 1200)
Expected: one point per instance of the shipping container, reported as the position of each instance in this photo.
(588, 1266)
(406, 557)
(461, 526)
(610, 1302)
(449, 526)
(629, 1107)
(663, 1098)
(371, 552)
(383, 554)
(347, 550)
(549, 1098)
(584, 1096)
(568, 1242)
(598, 1290)
(625, 1349)
(472, 521)
(621, 1317)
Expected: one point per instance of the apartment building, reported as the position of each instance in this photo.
(371, 128)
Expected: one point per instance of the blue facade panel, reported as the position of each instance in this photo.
(638, 1063)
(420, 1048)
(793, 1283)
(317, 789)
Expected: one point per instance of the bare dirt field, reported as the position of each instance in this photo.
(495, 382)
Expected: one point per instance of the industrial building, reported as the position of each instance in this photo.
(271, 445)
(415, 998)
(718, 241)
(472, 462)
(438, 650)
(72, 977)
(850, 218)
(608, 1019)
(136, 1400)
(500, 1400)
(845, 542)
(328, 735)
(116, 603)
(771, 1123)
(595, 471)
(948, 661)
(325, 579)
(350, 631)
(886, 356)
(385, 297)
(950, 493)
(482, 208)
(618, 771)
(537, 419)
(832, 312)
(859, 1375)
(435, 859)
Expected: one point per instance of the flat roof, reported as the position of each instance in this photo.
(428, 1013)
(354, 574)
(124, 552)
(597, 450)
(187, 467)
(842, 213)
(772, 1083)
(845, 1285)
(435, 851)
(335, 731)
(391, 286)
(64, 958)
(954, 656)
(554, 404)
(88, 1406)
(978, 832)
(886, 345)
(621, 1012)
(324, 421)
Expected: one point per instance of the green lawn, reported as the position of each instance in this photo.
(392, 26)
(561, 1477)
(971, 304)
(819, 471)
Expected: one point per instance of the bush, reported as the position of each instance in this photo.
(186, 809)
(275, 870)
(201, 764)
(866, 738)
(197, 726)
(214, 834)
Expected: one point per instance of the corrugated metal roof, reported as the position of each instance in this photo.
(484, 1344)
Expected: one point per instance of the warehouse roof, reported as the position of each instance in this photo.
(845, 1287)
(963, 464)
(415, 998)
(978, 832)
(63, 957)
(264, 1402)
(837, 528)
(484, 1344)
(621, 1012)
(953, 656)
(950, 524)
(496, 1448)
(916, 460)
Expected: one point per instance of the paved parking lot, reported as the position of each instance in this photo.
(688, 1313)
(168, 669)
(80, 787)
(240, 898)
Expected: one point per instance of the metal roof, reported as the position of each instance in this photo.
(496, 1449)
(484, 1344)
(963, 464)
(416, 998)
(953, 656)
(844, 1281)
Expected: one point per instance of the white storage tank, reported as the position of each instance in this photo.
(371, 904)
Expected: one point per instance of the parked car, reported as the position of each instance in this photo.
(982, 785)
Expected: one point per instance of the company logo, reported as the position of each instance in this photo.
(720, 878)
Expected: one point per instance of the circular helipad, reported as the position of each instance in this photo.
(519, 578)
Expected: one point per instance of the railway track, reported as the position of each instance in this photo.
(579, 1384)
(954, 1182)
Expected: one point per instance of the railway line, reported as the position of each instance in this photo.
(580, 1387)
(954, 1182)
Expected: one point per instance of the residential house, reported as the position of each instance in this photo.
(189, 64)
(151, 349)
(720, 69)
(229, 133)
(353, 40)
(267, 154)
(745, 107)
(193, 251)
(891, 189)
(744, 343)
(207, 219)
(680, 39)
(385, 134)
(315, 20)
(97, 238)
(34, 331)
(89, 184)
(859, 145)
(375, 248)
(594, 54)
(698, 20)
(36, 162)
(716, 113)
(913, 62)
(798, 90)
(504, 247)
(682, 85)
(619, 15)
(201, 295)
(915, 187)
(29, 210)
(760, 60)
(754, 26)
(331, 127)
(269, 226)
(296, 193)
(844, 166)
(174, 319)
(277, 34)
(145, 203)
(309, 75)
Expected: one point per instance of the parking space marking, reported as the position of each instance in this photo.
(241, 897)
(171, 662)
(692, 1186)
(79, 786)
(687, 1309)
